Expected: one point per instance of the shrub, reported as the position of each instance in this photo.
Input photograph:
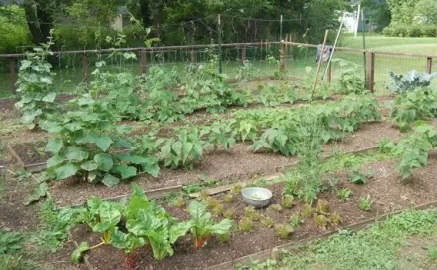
(414, 31)
(429, 31)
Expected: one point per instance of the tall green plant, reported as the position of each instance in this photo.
(35, 86)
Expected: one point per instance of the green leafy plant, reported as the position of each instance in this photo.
(202, 225)
(350, 80)
(358, 178)
(267, 222)
(295, 220)
(307, 211)
(321, 221)
(322, 207)
(251, 213)
(287, 201)
(129, 243)
(179, 202)
(283, 231)
(228, 198)
(185, 151)
(35, 86)
(275, 208)
(245, 225)
(335, 218)
(230, 213)
(344, 194)
(218, 210)
(414, 149)
(366, 203)
(146, 219)
(410, 82)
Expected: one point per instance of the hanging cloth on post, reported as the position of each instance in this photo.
(326, 53)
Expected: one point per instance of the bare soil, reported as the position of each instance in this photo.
(384, 188)
(31, 153)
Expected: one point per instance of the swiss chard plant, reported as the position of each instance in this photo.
(202, 225)
(129, 243)
(411, 81)
(35, 86)
(150, 221)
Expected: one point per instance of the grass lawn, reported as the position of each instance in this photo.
(406, 241)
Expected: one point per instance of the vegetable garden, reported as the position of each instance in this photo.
(147, 170)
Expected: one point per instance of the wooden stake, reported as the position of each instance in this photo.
(319, 64)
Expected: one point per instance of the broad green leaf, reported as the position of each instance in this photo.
(186, 150)
(178, 230)
(126, 171)
(54, 145)
(66, 170)
(109, 217)
(103, 142)
(55, 160)
(50, 97)
(40, 191)
(74, 153)
(89, 165)
(110, 180)
(104, 161)
(177, 148)
(76, 256)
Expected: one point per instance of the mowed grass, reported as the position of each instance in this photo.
(405, 241)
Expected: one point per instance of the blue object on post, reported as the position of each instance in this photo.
(326, 53)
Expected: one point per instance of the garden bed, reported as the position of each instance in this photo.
(384, 188)
(224, 166)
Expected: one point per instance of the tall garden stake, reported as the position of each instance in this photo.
(319, 64)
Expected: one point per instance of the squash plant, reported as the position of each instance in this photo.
(202, 225)
(85, 145)
(35, 86)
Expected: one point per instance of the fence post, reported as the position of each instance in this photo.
(85, 68)
(219, 26)
(193, 57)
(13, 74)
(371, 71)
(143, 61)
(428, 64)
(282, 60)
(243, 54)
(329, 78)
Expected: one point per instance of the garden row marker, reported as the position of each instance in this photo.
(219, 28)
(319, 64)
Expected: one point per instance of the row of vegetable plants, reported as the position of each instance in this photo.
(140, 222)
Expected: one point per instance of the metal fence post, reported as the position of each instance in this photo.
(13, 74)
(85, 68)
(428, 64)
(371, 71)
(143, 61)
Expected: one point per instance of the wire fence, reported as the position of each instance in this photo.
(74, 68)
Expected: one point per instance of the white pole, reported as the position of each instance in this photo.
(358, 19)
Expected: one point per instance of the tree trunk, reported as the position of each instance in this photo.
(145, 13)
(39, 22)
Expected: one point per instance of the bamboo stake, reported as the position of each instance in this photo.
(319, 64)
